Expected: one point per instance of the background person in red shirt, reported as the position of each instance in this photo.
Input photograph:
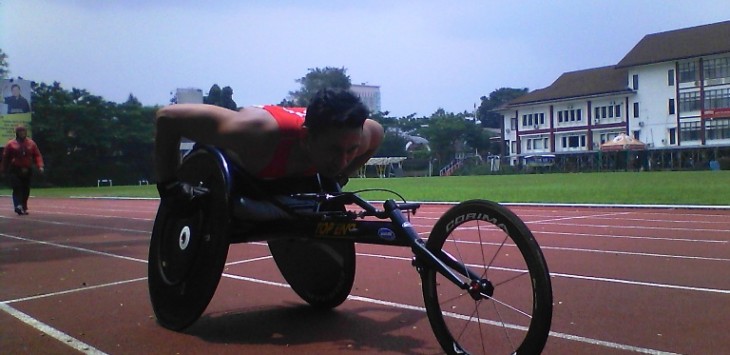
(18, 157)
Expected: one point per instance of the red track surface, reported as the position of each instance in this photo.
(73, 276)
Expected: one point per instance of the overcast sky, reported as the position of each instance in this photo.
(424, 55)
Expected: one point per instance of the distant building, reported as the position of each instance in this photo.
(369, 94)
(188, 96)
(671, 91)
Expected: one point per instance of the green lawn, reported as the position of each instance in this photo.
(686, 187)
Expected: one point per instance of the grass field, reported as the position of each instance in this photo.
(665, 188)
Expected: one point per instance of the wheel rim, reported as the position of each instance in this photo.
(501, 313)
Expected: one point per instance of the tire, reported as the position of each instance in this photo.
(187, 253)
(496, 245)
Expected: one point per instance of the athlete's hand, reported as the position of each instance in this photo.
(182, 198)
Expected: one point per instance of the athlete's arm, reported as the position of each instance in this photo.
(245, 130)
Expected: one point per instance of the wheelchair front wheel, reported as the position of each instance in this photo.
(508, 308)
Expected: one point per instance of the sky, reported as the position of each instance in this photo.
(424, 55)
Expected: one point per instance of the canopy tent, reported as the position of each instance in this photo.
(622, 142)
(381, 164)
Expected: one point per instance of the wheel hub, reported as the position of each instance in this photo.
(184, 239)
(480, 289)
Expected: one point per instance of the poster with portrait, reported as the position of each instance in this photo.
(15, 107)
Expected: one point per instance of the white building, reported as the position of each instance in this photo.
(671, 91)
(369, 94)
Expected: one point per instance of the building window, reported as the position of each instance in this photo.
(671, 106)
(717, 98)
(672, 136)
(637, 134)
(618, 110)
(636, 110)
(513, 123)
(689, 101)
(635, 81)
(716, 68)
(542, 118)
(524, 120)
(560, 116)
(579, 114)
(514, 146)
(670, 77)
(689, 131)
(687, 72)
(545, 143)
(718, 129)
(598, 112)
(603, 112)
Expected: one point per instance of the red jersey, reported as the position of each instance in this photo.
(290, 120)
(21, 154)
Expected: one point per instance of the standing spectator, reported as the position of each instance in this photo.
(16, 103)
(18, 158)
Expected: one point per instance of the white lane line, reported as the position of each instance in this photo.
(422, 309)
(79, 249)
(668, 239)
(76, 225)
(245, 261)
(641, 283)
(555, 219)
(90, 350)
(50, 331)
(629, 226)
(74, 290)
(619, 252)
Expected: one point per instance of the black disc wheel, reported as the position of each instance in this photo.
(321, 272)
(188, 252)
(507, 306)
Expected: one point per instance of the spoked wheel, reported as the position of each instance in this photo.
(188, 252)
(508, 306)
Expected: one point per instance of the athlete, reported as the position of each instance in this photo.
(332, 137)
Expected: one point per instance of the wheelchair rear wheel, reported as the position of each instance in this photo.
(187, 253)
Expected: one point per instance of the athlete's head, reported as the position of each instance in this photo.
(333, 127)
(335, 109)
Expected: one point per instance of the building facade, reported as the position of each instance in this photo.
(671, 91)
(369, 94)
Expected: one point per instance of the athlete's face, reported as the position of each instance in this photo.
(333, 149)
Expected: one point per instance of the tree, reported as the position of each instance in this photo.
(450, 133)
(315, 80)
(3, 65)
(84, 138)
(393, 145)
(221, 97)
(496, 98)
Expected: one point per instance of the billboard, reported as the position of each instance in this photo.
(15, 107)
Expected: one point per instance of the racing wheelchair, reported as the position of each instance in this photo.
(485, 283)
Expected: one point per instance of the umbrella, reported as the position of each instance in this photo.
(622, 142)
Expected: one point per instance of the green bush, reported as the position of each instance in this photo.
(724, 163)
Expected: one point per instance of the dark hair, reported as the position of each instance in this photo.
(335, 109)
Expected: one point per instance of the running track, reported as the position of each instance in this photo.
(625, 280)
